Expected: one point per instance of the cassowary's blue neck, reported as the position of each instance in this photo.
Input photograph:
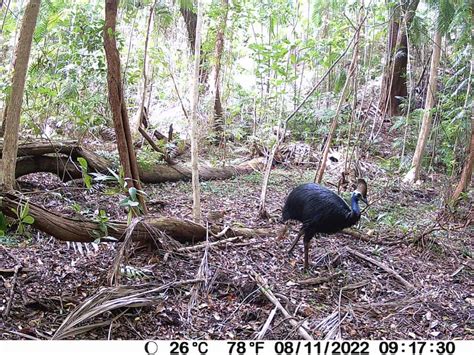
(355, 206)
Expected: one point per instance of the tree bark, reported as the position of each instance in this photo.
(117, 102)
(414, 173)
(218, 110)
(11, 119)
(394, 85)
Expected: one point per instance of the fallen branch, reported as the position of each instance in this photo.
(265, 327)
(265, 289)
(75, 230)
(384, 267)
(11, 294)
(205, 245)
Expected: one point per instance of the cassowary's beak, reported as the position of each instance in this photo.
(364, 199)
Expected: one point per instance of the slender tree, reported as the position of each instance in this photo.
(142, 111)
(194, 120)
(11, 118)
(125, 147)
(414, 173)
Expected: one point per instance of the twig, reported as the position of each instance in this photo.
(382, 266)
(318, 280)
(12, 292)
(265, 289)
(27, 336)
(265, 327)
(11, 271)
(205, 245)
(457, 271)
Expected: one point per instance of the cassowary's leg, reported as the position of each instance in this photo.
(300, 233)
(306, 241)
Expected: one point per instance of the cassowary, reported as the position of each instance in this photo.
(321, 211)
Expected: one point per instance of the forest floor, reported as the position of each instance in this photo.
(407, 229)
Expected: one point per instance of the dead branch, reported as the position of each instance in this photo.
(265, 327)
(11, 294)
(265, 289)
(384, 267)
(75, 230)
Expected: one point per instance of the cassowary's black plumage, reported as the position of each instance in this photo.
(321, 211)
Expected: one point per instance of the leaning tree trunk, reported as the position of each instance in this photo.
(394, 85)
(11, 119)
(194, 121)
(414, 173)
(218, 110)
(126, 150)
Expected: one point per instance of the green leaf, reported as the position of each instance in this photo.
(28, 220)
(133, 193)
(83, 163)
(25, 211)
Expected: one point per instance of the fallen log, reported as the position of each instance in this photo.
(162, 173)
(69, 149)
(62, 161)
(75, 230)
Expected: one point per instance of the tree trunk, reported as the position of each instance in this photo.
(218, 110)
(414, 173)
(117, 102)
(11, 119)
(392, 39)
(142, 111)
(394, 85)
(194, 121)
(466, 174)
(190, 20)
